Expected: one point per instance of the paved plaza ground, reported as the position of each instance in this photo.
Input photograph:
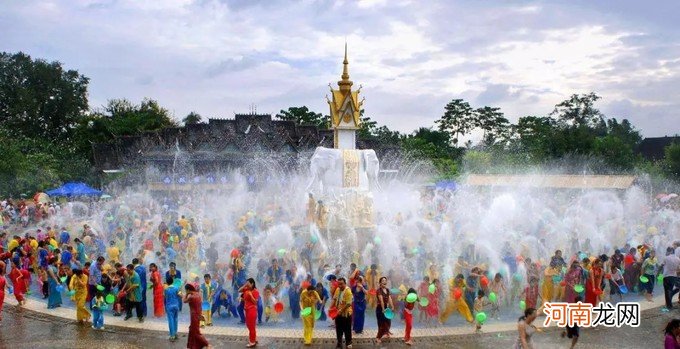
(34, 327)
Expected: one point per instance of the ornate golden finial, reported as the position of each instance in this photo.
(345, 84)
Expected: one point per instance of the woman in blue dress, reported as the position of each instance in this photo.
(293, 294)
(53, 295)
(359, 306)
(323, 294)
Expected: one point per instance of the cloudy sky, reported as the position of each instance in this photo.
(217, 57)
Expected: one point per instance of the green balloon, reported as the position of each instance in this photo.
(424, 301)
(100, 288)
(644, 279)
(317, 314)
(522, 305)
(412, 298)
(377, 240)
(578, 288)
(660, 278)
(306, 311)
(481, 317)
(492, 297)
(110, 298)
(432, 288)
(63, 279)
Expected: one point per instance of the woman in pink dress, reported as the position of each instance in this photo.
(573, 277)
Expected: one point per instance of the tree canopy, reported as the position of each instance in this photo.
(40, 99)
(303, 116)
(48, 129)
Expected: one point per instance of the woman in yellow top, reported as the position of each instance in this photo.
(309, 298)
(79, 285)
(372, 285)
(456, 301)
(551, 277)
(113, 252)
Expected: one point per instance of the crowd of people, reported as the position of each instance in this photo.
(155, 256)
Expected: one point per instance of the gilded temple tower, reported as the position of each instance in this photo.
(345, 110)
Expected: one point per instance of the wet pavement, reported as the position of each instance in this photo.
(21, 328)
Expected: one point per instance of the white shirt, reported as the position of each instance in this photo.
(671, 264)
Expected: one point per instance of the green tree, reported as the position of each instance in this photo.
(624, 131)
(671, 160)
(457, 119)
(579, 111)
(40, 99)
(304, 116)
(192, 118)
(492, 122)
(119, 117)
(615, 152)
(534, 135)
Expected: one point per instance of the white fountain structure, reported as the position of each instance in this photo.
(344, 178)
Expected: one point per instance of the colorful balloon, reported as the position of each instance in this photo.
(457, 293)
(110, 298)
(278, 307)
(432, 288)
(412, 298)
(306, 311)
(493, 297)
(481, 317)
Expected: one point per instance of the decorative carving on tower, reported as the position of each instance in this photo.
(345, 109)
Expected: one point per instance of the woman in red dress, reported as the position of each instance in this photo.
(3, 284)
(433, 298)
(594, 283)
(195, 340)
(18, 283)
(158, 308)
(250, 295)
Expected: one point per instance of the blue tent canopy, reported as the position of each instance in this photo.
(74, 189)
(450, 185)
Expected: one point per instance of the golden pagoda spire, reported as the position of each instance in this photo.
(345, 84)
(345, 108)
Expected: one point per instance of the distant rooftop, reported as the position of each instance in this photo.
(653, 148)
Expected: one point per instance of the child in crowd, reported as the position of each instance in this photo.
(269, 302)
(98, 307)
(615, 282)
(531, 293)
(497, 286)
(478, 308)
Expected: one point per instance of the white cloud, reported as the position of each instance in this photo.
(216, 57)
